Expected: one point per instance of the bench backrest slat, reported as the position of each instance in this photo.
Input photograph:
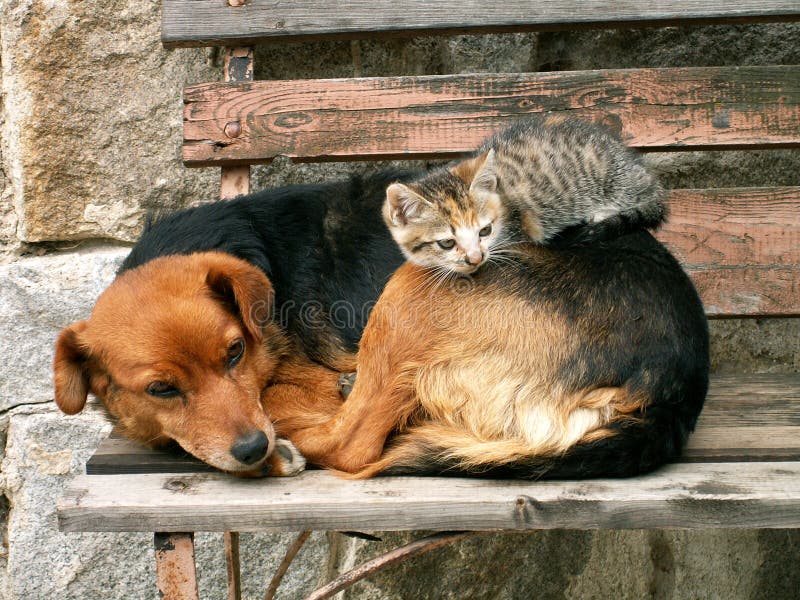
(442, 116)
(741, 246)
(215, 22)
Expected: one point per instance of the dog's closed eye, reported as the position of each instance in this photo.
(235, 352)
(161, 389)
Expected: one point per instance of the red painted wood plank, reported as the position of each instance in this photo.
(448, 115)
(237, 66)
(741, 247)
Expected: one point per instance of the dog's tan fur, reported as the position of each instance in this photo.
(462, 377)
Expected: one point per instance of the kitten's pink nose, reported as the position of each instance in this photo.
(474, 257)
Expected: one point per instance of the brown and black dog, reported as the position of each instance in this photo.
(579, 361)
(179, 350)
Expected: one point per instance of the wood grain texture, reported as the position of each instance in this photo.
(214, 22)
(233, 565)
(741, 246)
(705, 495)
(448, 115)
(742, 418)
(748, 418)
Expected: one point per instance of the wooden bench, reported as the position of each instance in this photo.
(741, 247)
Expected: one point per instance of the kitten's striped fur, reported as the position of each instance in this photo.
(549, 179)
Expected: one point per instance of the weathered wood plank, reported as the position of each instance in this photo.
(736, 410)
(705, 495)
(741, 246)
(233, 564)
(121, 456)
(713, 455)
(215, 22)
(448, 115)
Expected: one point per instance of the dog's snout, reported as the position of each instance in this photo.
(250, 447)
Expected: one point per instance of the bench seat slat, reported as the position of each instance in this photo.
(747, 417)
(213, 22)
(448, 115)
(729, 495)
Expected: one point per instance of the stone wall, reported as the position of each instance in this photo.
(90, 117)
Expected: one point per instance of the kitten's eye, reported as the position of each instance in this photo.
(485, 231)
(235, 352)
(446, 244)
(161, 389)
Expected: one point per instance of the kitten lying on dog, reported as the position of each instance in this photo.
(571, 361)
(546, 179)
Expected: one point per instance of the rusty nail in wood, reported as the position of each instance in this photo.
(233, 129)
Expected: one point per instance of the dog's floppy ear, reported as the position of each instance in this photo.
(245, 289)
(70, 376)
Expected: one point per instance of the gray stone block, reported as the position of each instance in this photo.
(38, 297)
(586, 564)
(44, 449)
(92, 107)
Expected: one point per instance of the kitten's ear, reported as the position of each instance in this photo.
(485, 179)
(402, 204)
(478, 172)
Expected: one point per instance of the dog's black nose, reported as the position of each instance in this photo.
(250, 447)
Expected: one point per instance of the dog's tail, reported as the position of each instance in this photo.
(623, 448)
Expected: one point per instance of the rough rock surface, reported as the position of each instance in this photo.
(44, 448)
(90, 117)
(93, 117)
(38, 297)
(579, 564)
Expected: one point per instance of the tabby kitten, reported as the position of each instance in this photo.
(549, 179)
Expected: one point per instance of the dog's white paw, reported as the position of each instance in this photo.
(288, 460)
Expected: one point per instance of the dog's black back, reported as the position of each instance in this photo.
(324, 247)
(646, 329)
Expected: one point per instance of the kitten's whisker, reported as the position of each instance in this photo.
(430, 282)
(502, 260)
(444, 275)
(506, 243)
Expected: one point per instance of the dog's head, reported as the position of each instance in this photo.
(180, 349)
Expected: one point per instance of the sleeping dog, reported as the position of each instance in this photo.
(217, 302)
(230, 323)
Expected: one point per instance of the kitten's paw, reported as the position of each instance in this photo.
(346, 383)
(286, 460)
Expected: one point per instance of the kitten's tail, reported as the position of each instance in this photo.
(624, 222)
(641, 204)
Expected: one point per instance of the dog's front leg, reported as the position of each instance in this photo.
(354, 434)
